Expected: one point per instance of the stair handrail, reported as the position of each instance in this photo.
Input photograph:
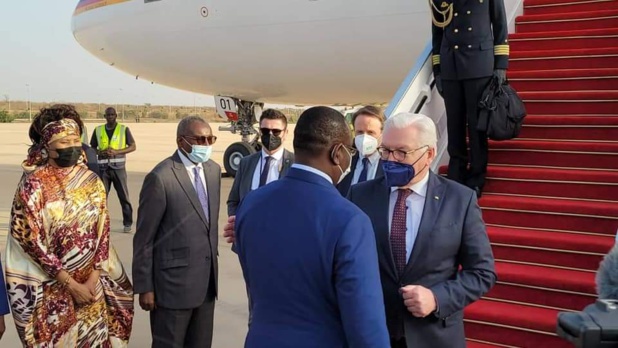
(417, 94)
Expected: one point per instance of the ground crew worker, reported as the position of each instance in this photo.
(469, 39)
(113, 141)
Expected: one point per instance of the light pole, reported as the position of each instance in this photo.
(122, 106)
(29, 104)
(8, 100)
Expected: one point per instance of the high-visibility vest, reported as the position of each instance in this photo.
(117, 142)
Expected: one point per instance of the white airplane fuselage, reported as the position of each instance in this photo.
(276, 51)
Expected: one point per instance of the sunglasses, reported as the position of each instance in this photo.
(202, 140)
(266, 131)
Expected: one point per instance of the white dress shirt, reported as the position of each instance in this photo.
(312, 170)
(189, 166)
(415, 204)
(273, 171)
(374, 160)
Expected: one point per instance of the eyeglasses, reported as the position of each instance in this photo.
(351, 150)
(398, 155)
(266, 131)
(202, 140)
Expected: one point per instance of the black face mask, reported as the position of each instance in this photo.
(68, 157)
(271, 142)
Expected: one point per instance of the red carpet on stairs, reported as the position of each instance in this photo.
(551, 198)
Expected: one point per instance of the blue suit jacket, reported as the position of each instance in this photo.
(309, 259)
(4, 303)
(451, 234)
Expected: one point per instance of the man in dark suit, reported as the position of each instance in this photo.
(470, 44)
(175, 245)
(426, 228)
(368, 122)
(308, 255)
(265, 166)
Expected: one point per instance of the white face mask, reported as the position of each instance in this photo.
(366, 144)
(347, 171)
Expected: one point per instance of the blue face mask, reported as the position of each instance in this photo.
(399, 174)
(199, 153)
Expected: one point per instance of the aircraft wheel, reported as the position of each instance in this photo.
(233, 154)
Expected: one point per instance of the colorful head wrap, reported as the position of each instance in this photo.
(50, 133)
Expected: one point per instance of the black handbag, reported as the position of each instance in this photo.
(501, 111)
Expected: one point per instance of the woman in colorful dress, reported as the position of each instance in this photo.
(66, 285)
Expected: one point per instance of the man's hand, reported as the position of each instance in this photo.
(147, 301)
(419, 300)
(112, 152)
(439, 85)
(228, 230)
(2, 326)
(500, 75)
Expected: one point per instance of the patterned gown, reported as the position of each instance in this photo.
(59, 221)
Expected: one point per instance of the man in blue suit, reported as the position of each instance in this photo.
(308, 255)
(4, 303)
(435, 257)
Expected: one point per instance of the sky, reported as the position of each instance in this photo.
(37, 48)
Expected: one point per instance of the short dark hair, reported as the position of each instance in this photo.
(318, 129)
(185, 124)
(272, 114)
(51, 114)
(369, 110)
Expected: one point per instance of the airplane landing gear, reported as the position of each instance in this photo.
(242, 115)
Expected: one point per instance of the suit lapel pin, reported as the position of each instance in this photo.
(436, 198)
(445, 5)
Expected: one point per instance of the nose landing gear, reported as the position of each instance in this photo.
(242, 116)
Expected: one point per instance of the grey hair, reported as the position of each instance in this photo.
(185, 124)
(425, 126)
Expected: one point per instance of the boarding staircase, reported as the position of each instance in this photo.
(551, 198)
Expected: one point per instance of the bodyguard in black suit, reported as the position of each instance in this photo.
(470, 45)
(366, 164)
(426, 227)
(263, 167)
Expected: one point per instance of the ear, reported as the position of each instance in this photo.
(334, 155)
(431, 155)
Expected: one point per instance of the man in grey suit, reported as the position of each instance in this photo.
(434, 253)
(175, 245)
(266, 166)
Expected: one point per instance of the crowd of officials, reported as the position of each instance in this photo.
(348, 241)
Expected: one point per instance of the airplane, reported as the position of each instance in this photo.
(247, 53)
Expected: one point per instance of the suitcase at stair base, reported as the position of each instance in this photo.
(595, 327)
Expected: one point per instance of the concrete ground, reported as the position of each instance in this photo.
(155, 142)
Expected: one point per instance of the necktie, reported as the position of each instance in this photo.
(265, 171)
(398, 230)
(363, 174)
(201, 191)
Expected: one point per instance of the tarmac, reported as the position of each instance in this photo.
(155, 142)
